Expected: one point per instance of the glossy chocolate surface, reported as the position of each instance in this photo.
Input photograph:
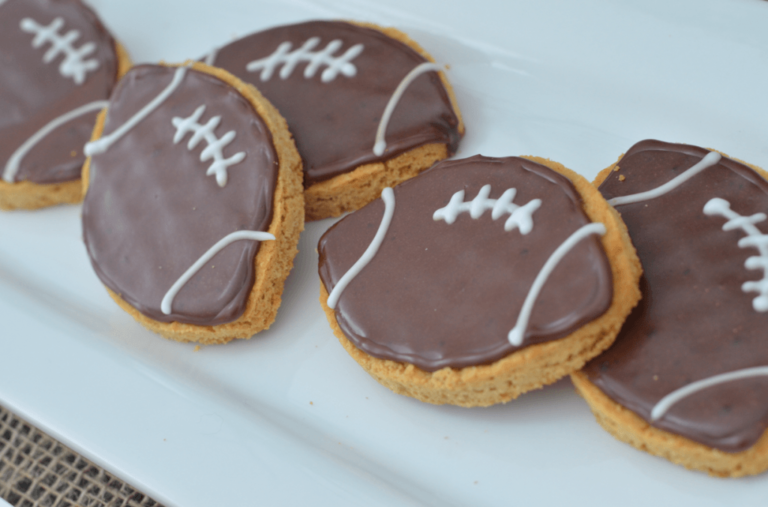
(334, 123)
(694, 320)
(438, 295)
(151, 211)
(33, 93)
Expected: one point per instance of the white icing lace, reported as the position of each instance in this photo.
(210, 58)
(74, 65)
(13, 164)
(663, 406)
(215, 147)
(516, 335)
(388, 196)
(380, 143)
(712, 158)
(519, 216)
(718, 206)
(167, 303)
(290, 59)
(102, 145)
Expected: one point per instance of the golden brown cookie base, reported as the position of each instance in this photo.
(353, 190)
(532, 367)
(274, 260)
(628, 427)
(29, 195)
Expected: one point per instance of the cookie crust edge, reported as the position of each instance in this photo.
(532, 367)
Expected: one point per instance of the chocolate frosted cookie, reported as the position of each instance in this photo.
(194, 202)
(59, 66)
(479, 280)
(367, 106)
(687, 378)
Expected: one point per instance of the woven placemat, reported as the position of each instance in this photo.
(36, 470)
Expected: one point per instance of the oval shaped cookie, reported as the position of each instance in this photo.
(332, 81)
(687, 378)
(59, 68)
(190, 170)
(489, 266)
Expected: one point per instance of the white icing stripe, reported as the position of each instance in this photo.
(519, 216)
(289, 60)
(210, 58)
(712, 158)
(388, 196)
(167, 302)
(718, 206)
(517, 334)
(103, 144)
(667, 401)
(380, 144)
(13, 163)
(215, 147)
(74, 65)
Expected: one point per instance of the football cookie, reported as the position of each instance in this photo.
(367, 106)
(687, 378)
(479, 280)
(193, 203)
(59, 68)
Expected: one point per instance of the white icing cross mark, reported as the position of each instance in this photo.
(167, 302)
(74, 65)
(667, 401)
(519, 216)
(388, 196)
(712, 158)
(718, 206)
(379, 144)
(215, 147)
(283, 55)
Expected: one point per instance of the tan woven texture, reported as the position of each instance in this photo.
(36, 470)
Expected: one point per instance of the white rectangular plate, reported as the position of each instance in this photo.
(287, 418)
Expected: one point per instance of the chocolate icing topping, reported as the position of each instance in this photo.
(151, 211)
(334, 123)
(33, 93)
(439, 294)
(694, 320)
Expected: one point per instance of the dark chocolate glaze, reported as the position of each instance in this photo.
(694, 321)
(150, 211)
(334, 123)
(438, 295)
(32, 92)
